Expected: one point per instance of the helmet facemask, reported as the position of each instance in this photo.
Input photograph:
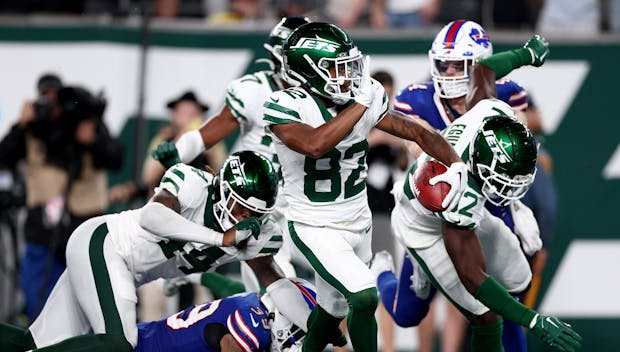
(455, 85)
(339, 75)
(500, 189)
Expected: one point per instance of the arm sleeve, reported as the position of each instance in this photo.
(189, 146)
(164, 222)
(290, 302)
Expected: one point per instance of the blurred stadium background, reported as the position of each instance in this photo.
(140, 58)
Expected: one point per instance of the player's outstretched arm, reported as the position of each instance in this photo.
(161, 217)
(466, 253)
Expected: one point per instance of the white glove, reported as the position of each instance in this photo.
(363, 93)
(456, 177)
(526, 227)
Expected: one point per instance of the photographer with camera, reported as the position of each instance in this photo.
(66, 150)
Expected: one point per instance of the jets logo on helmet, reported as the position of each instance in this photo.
(237, 170)
(497, 147)
(317, 44)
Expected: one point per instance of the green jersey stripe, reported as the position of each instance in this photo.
(282, 109)
(278, 120)
(179, 173)
(235, 112)
(269, 250)
(169, 180)
(237, 100)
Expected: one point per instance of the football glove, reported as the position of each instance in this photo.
(556, 333)
(166, 153)
(538, 48)
(363, 93)
(246, 228)
(526, 227)
(456, 177)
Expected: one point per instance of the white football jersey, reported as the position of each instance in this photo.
(417, 226)
(245, 97)
(330, 190)
(149, 256)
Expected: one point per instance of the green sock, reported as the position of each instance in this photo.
(506, 61)
(361, 320)
(321, 327)
(220, 285)
(90, 343)
(487, 338)
(15, 339)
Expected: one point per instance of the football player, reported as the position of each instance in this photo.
(240, 323)
(243, 111)
(467, 253)
(454, 53)
(195, 222)
(320, 132)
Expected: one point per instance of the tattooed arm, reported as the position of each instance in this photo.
(401, 125)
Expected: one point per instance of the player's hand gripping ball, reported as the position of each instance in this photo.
(430, 196)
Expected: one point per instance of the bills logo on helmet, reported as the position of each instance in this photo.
(499, 151)
(317, 44)
(480, 37)
(237, 170)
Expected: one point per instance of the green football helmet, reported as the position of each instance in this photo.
(247, 178)
(323, 57)
(502, 157)
(276, 40)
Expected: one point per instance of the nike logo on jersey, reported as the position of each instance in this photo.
(254, 323)
(275, 99)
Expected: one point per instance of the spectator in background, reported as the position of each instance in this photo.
(403, 13)
(568, 18)
(66, 149)
(240, 11)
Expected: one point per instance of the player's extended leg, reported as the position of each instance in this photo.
(508, 265)
(486, 325)
(342, 272)
(103, 286)
(401, 302)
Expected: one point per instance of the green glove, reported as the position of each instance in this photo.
(246, 228)
(538, 48)
(166, 153)
(556, 333)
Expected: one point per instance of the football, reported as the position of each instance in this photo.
(430, 196)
